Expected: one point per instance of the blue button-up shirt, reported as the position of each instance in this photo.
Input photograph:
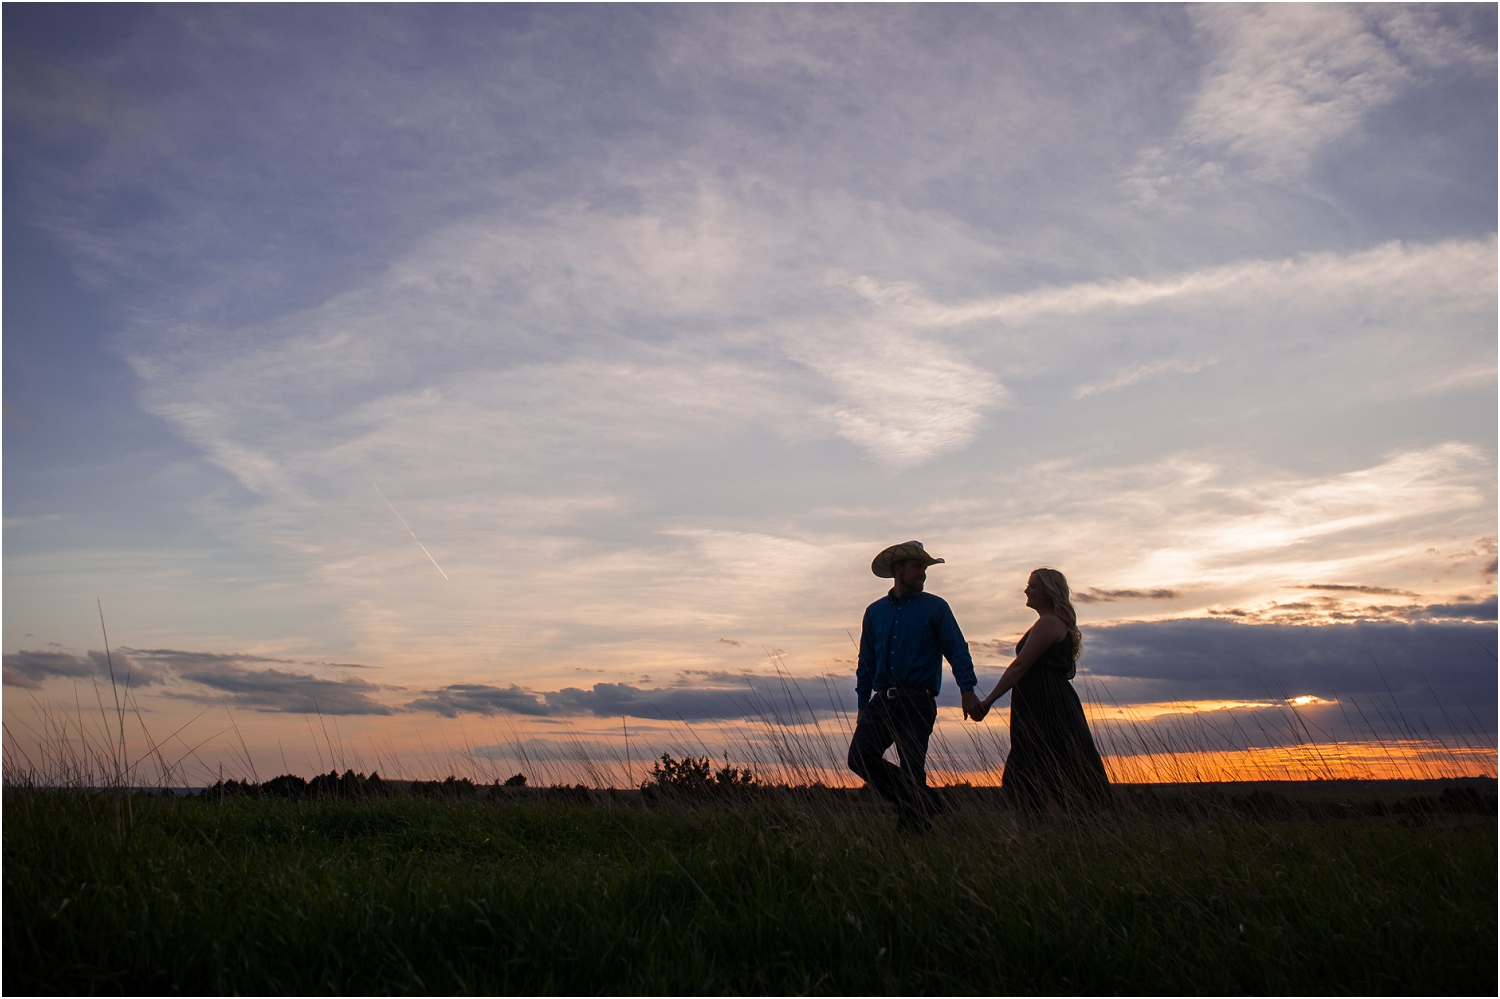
(902, 644)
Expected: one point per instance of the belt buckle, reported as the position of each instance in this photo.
(891, 693)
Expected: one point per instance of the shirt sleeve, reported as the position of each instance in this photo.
(951, 641)
(864, 675)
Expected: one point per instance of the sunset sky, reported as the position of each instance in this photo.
(497, 376)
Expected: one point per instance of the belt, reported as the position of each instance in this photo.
(891, 693)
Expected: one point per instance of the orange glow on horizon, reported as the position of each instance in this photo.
(611, 752)
(1404, 760)
(1329, 761)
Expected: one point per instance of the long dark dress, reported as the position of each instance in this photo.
(1052, 753)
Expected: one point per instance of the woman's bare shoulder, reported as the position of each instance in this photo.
(1049, 628)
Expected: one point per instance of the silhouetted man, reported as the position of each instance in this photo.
(903, 640)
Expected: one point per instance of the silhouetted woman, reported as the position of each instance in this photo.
(1053, 763)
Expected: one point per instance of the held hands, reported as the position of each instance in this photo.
(973, 707)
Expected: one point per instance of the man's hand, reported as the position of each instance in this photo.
(973, 707)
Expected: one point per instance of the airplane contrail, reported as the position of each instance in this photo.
(411, 532)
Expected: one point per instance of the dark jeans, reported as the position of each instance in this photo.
(906, 721)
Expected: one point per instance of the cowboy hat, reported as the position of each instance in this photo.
(899, 553)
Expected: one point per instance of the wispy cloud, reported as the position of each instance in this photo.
(903, 399)
(1334, 610)
(1287, 81)
(1138, 373)
(1393, 271)
(1094, 595)
(1384, 591)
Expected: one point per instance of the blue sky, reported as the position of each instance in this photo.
(654, 324)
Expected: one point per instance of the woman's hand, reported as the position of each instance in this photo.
(979, 711)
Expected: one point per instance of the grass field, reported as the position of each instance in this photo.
(770, 891)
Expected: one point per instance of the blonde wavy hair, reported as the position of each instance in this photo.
(1055, 585)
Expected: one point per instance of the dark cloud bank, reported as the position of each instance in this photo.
(30, 669)
(209, 677)
(705, 696)
(1441, 673)
(1438, 665)
(1418, 665)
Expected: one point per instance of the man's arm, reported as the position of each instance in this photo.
(864, 673)
(956, 649)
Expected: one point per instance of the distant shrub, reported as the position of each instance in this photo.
(519, 780)
(453, 788)
(728, 777)
(232, 788)
(285, 786)
(350, 785)
(696, 775)
(329, 785)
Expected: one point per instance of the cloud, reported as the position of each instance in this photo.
(1406, 486)
(1331, 610)
(1095, 595)
(1192, 659)
(30, 669)
(275, 690)
(524, 339)
(205, 676)
(689, 703)
(701, 696)
(178, 659)
(481, 699)
(1161, 662)
(55, 99)
(1347, 588)
(905, 399)
(740, 561)
(1224, 538)
(1479, 610)
(497, 436)
(1138, 373)
(994, 648)
(1393, 271)
(1289, 80)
